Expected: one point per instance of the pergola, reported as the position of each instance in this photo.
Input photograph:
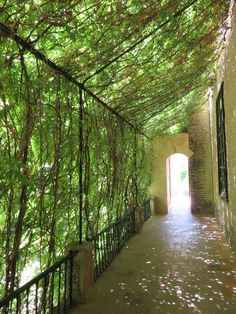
(149, 61)
(84, 85)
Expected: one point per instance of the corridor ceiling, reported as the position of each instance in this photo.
(151, 61)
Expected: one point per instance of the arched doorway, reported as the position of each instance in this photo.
(164, 147)
(178, 198)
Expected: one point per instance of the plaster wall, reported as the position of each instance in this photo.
(163, 148)
(226, 211)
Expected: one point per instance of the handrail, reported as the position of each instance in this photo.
(108, 242)
(110, 226)
(43, 297)
(107, 245)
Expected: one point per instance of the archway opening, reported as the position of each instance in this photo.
(178, 183)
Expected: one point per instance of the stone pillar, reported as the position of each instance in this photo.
(152, 207)
(139, 219)
(83, 279)
(159, 207)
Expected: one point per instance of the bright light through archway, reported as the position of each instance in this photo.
(178, 183)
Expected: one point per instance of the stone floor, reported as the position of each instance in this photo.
(178, 263)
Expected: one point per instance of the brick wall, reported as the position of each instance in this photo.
(200, 166)
(226, 211)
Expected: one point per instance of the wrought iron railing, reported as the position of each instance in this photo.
(147, 209)
(108, 243)
(50, 292)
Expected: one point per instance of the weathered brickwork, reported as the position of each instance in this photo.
(226, 211)
(200, 166)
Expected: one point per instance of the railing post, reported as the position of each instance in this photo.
(135, 169)
(82, 275)
(147, 209)
(81, 145)
(133, 221)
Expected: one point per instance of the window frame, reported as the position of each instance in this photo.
(221, 145)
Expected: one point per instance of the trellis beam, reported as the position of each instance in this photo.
(132, 47)
(39, 55)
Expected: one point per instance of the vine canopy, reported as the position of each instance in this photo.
(70, 167)
(151, 61)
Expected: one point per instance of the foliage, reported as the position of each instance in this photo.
(149, 60)
(39, 154)
(144, 58)
(183, 175)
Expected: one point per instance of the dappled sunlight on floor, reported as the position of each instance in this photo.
(179, 263)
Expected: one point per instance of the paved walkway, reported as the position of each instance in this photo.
(179, 263)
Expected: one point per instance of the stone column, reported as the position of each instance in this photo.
(83, 279)
(139, 219)
(152, 206)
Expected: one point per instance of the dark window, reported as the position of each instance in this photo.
(221, 144)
